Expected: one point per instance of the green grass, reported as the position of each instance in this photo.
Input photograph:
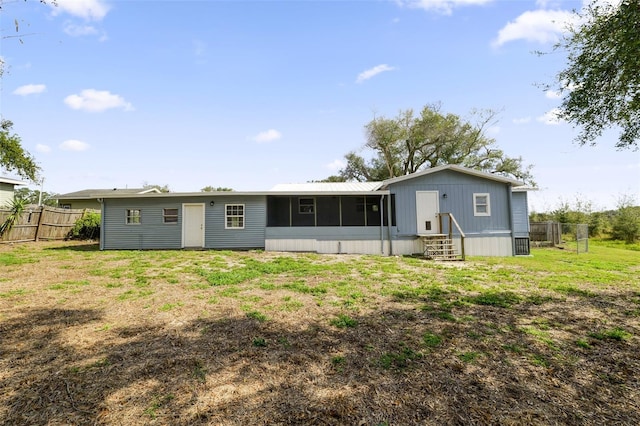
(615, 333)
(501, 299)
(14, 293)
(18, 258)
(343, 321)
(258, 316)
(431, 340)
(400, 358)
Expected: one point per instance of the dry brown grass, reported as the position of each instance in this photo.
(83, 343)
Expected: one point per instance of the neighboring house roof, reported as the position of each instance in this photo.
(11, 181)
(98, 193)
(456, 168)
(327, 187)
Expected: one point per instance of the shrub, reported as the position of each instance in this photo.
(87, 227)
(626, 223)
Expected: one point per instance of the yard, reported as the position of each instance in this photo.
(220, 337)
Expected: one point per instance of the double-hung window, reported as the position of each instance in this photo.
(234, 216)
(134, 216)
(481, 204)
(170, 215)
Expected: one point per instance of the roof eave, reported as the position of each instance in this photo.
(454, 167)
(240, 193)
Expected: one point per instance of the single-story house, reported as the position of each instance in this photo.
(464, 211)
(88, 198)
(7, 190)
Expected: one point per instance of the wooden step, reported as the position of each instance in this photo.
(440, 247)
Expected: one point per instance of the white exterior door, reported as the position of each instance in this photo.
(427, 210)
(193, 225)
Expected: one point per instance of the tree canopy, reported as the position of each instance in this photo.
(32, 196)
(13, 158)
(161, 188)
(210, 188)
(601, 83)
(409, 142)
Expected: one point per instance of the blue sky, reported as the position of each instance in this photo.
(249, 94)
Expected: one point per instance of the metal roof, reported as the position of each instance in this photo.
(11, 181)
(457, 168)
(98, 193)
(332, 187)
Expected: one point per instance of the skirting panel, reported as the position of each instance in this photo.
(488, 246)
(328, 246)
(477, 246)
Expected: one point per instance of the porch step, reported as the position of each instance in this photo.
(440, 247)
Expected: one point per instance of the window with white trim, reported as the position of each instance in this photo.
(134, 216)
(170, 216)
(306, 205)
(481, 204)
(234, 216)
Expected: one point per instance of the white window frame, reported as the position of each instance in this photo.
(130, 216)
(228, 216)
(476, 204)
(174, 217)
(306, 208)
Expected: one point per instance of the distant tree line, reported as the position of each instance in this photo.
(623, 223)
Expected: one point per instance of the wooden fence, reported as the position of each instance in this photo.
(546, 232)
(41, 223)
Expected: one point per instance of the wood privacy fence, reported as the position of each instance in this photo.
(41, 223)
(546, 232)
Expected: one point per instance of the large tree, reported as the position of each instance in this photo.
(601, 83)
(13, 157)
(408, 143)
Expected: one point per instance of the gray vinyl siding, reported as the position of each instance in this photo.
(6, 195)
(459, 188)
(253, 234)
(152, 233)
(520, 214)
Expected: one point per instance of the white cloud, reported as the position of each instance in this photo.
(444, 7)
(551, 117)
(336, 165)
(267, 136)
(541, 26)
(74, 30)
(366, 75)
(43, 148)
(90, 10)
(522, 120)
(97, 101)
(552, 94)
(74, 145)
(30, 89)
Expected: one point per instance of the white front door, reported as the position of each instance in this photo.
(193, 225)
(427, 210)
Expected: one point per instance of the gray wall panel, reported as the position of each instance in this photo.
(459, 188)
(152, 233)
(520, 214)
